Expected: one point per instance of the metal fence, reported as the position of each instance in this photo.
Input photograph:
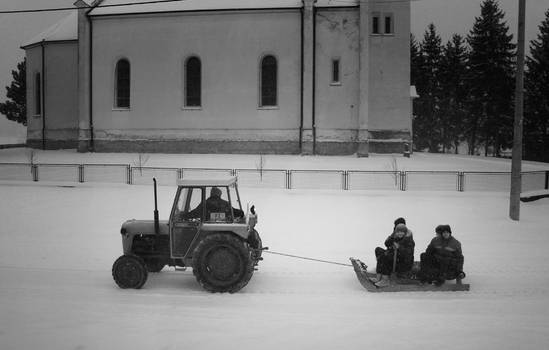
(279, 178)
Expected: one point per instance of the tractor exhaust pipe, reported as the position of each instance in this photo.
(156, 224)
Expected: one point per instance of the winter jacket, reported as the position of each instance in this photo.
(446, 249)
(405, 251)
(215, 205)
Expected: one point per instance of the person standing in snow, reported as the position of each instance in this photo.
(443, 258)
(400, 241)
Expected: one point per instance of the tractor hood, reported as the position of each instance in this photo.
(146, 227)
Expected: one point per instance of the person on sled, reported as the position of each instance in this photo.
(400, 242)
(443, 258)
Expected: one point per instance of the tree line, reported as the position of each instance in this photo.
(466, 89)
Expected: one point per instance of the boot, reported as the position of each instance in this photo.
(376, 279)
(384, 282)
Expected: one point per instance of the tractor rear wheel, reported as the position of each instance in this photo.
(222, 263)
(129, 271)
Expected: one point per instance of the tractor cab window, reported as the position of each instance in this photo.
(218, 206)
(188, 206)
(237, 206)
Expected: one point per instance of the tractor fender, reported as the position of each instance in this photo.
(202, 235)
(240, 230)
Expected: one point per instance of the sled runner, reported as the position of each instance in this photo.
(403, 284)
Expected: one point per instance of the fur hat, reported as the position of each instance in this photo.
(215, 192)
(400, 221)
(443, 228)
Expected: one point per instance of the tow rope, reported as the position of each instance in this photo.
(306, 258)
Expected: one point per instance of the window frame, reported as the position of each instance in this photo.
(186, 104)
(391, 24)
(117, 97)
(379, 24)
(261, 105)
(376, 23)
(336, 62)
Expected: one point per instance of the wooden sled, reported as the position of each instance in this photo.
(401, 284)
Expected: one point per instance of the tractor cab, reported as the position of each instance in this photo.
(201, 207)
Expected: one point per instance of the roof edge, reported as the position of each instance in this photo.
(30, 46)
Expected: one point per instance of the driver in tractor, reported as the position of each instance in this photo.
(217, 209)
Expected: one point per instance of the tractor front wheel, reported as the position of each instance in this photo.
(129, 271)
(222, 263)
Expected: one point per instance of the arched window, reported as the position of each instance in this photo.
(193, 82)
(268, 81)
(122, 84)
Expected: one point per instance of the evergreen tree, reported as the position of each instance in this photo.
(453, 102)
(415, 60)
(536, 82)
(15, 108)
(427, 132)
(490, 79)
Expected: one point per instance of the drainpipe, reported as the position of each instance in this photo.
(43, 95)
(92, 147)
(301, 87)
(314, 79)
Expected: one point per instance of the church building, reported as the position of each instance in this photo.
(223, 76)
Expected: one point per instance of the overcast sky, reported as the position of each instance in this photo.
(449, 16)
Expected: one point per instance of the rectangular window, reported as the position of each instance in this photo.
(37, 94)
(335, 71)
(388, 24)
(375, 24)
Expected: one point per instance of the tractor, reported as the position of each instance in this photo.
(204, 231)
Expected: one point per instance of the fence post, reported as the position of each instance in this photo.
(129, 174)
(34, 171)
(179, 173)
(346, 180)
(461, 181)
(81, 173)
(547, 180)
(288, 179)
(402, 180)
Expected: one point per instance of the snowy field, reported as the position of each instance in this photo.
(58, 242)
(12, 140)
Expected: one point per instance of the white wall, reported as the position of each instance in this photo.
(229, 45)
(60, 93)
(390, 72)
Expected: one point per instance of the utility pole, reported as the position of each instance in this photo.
(514, 202)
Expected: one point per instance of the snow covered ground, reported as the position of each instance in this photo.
(12, 140)
(58, 243)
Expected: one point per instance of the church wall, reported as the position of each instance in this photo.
(336, 102)
(389, 123)
(60, 107)
(230, 46)
(34, 120)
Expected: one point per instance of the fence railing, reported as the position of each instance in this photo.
(280, 178)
